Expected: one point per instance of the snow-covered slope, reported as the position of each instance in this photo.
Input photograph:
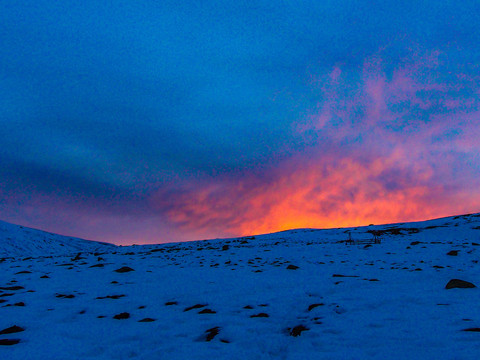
(16, 240)
(300, 294)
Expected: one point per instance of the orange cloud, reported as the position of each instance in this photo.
(388, 146)
(319, 194)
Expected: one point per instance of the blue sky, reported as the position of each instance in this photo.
(146, 122)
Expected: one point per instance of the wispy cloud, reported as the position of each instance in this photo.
(386, 146)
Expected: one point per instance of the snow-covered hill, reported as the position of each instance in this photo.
(300, 294)
(16, 240)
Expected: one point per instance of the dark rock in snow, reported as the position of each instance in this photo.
(457, 283)
(12, 288)
(196, 306)
(9, 341)
(23, 272)
(207, 311)
(297, 330)
(260, 315)
(453, 253)
(170, 303)
(11, 330)
(292, 267)
(63, 296)
(122, 316)
(110, 297)
(124, 269)
(476, 329)
(313, 306)
(146, 320)
(211, 333)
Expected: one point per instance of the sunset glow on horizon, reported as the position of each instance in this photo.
(167, 122)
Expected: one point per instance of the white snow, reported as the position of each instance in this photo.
(20, 241)
(406, 314)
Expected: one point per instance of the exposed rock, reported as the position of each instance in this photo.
(297, 330)
(260, 315)
(292, 267)
(211, 333)
(11, 330)
(63, 296)
(457, 283)
(196, 306)
(122, 316)
(110, 297)
(146, 320)
(475, 329)
(9, 341)
(313, 306)
(453, 253)
(124, 269)
(207, 311)
(170, 303)
(12, 288)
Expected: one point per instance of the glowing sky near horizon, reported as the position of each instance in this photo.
(141, 122)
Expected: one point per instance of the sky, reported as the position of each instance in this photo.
(159, 121)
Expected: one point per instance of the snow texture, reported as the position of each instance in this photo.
(299, 294)
(20, 241)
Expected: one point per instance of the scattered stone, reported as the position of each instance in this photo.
(211, 333)
(225, 247)
(115, 297)
(413, 243)
(475, 329)
(124, 269)
(97, 265)
(292, 267)
(147, 320)
(122, 316)
(45, 277)
(457, 283)
(78, 257)
(248, 307)
(63, 296)
(453, 253)
(297, 330)
(23, 272)
(11, 330)
(207, 311)
(265, 315)
(170, 303)
(9, 341)
(196, 306)
(12, 288)
(339, 275)
(313, 306)
(21, 303)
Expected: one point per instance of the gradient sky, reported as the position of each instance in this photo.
(157, 121)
